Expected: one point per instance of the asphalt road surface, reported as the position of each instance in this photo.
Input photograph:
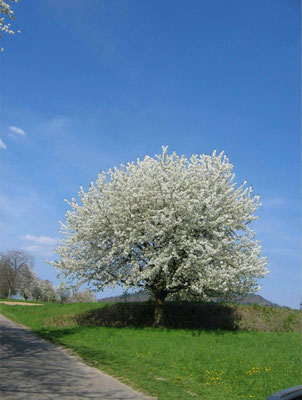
(33, 369)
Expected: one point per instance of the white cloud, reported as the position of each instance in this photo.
(40, 240)
(2, 145)
(17, 130)
(42, 245)
(32, 248)
(40, 250)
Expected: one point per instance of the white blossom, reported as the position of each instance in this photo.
(8, 12)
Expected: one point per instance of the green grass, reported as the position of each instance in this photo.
(174, 364)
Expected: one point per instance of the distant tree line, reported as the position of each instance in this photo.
(17, 278)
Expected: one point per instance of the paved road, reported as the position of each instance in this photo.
(33, 369)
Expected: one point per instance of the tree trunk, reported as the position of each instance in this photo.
(159, 315)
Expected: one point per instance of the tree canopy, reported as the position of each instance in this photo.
(18, 278)
(15, 272)
(168, 224)
(5, 26)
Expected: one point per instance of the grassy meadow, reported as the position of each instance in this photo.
(178, 364)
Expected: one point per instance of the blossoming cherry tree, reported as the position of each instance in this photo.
(166, 224)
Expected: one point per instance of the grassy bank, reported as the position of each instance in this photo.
(173, 364)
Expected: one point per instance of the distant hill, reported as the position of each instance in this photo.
(127, 298)
(140, 296)
(252, 298)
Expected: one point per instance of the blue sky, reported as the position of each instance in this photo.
(89, 85)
